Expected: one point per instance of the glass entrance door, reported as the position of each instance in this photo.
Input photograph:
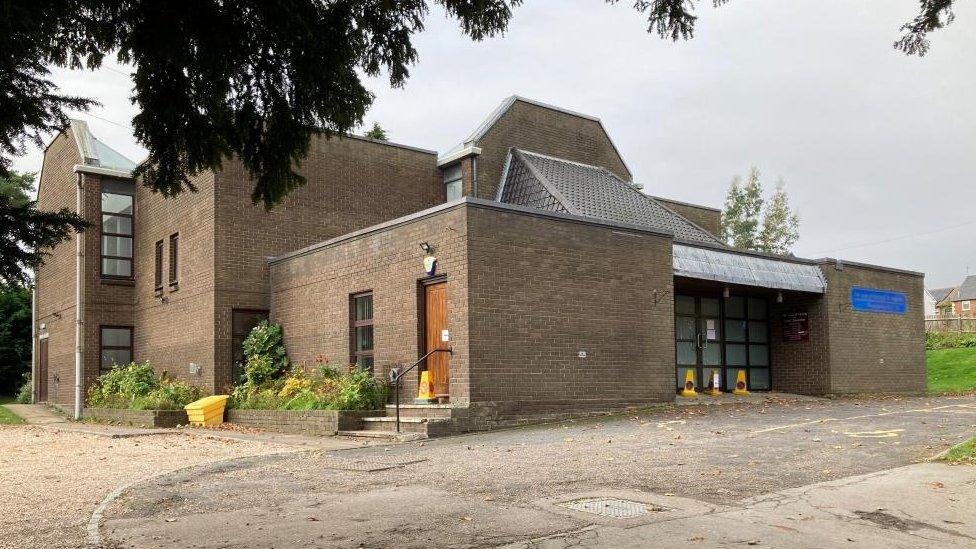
(698, 340)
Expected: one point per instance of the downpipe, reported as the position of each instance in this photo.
(79, 303)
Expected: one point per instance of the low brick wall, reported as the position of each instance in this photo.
(301, 422)
(138, 418)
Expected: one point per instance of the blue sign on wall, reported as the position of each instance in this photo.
(870, 300)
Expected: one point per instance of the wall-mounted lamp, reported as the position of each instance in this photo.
(725, 292)
(162, 299)
(56, 315)
(779, 297)
(427, 248)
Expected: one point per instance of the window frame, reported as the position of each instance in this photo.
(459, 180)
(102, 234)
(158, 272)
(355, 354)
(174, 261)
(966, 305)
(102, 348)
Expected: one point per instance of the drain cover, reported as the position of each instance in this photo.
(611, 507)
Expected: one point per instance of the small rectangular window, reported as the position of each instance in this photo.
(965, 305)
(361, 330)
(174, 260)
(115, 347)
(158, 274)
(117, 235)
(452, 182)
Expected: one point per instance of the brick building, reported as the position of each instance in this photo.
(527, 249)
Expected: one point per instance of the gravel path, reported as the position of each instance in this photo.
(52, 479)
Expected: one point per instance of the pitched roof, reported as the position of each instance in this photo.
(554, 184)
(967, 290)
(506, 104)
(96, 153)
(938, 294)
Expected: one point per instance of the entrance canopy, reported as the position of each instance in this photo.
(747, 270)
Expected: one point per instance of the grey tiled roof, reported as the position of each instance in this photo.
(555, 184)
(938, 294)
(968, 289)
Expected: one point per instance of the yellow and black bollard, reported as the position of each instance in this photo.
(740, 383)
(689, 390)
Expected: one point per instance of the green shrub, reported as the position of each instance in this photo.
(949, 340)
(137, 387)
(265, 341)
(324, 388)
(25, 393)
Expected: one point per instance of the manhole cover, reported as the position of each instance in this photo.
(612, 507)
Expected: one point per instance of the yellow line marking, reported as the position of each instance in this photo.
(889, 433)
(831, 419)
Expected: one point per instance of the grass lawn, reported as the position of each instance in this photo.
(6, 416)
(964, 453)
(951, 370)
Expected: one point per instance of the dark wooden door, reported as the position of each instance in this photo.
(41, 381)
(435, 299)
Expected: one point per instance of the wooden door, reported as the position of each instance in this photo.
(435, 300)
(41, 381)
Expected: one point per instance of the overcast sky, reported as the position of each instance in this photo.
(877, 150)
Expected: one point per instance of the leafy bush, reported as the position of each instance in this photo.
(24, 394)
(324, 388)
(270, 384)
(265, 344)
(137, 387)
(949, 340)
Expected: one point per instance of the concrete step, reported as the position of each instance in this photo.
(407, 424)
(385, 435)
(428, 411)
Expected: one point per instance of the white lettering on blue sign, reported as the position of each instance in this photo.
(870, 300)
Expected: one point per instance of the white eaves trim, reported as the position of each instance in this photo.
(457, 155)
(98, 170)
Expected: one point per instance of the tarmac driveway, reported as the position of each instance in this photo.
(496, 488)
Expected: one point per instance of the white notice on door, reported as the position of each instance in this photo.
(445, 335)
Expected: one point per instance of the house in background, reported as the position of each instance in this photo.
(964, 299)
(942, 302)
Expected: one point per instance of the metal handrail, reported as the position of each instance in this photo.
(396, 376)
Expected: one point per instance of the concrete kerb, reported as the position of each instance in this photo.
(94, 522)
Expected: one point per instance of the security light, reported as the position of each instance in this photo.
(779, 297)
(426, 247)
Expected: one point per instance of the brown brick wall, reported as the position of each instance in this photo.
(56, 277)
(801, 367)
(178, 330)
(353, 183)
(544, 289)
(870, 352)
(707, 218)
(311, 294)
(545, 131)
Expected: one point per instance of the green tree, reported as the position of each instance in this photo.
(251, 79)
(377, 132)
(740, 217)
(15, 337)
(25, 232)
(780, 226)
(749, 222)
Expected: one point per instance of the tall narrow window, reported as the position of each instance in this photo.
(115, 347)
(362, 330)
(174, 261)
(158, 274)
(117, 217)
(452, 182)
